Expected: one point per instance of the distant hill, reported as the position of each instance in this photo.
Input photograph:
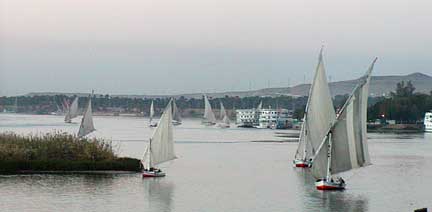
(380, 85)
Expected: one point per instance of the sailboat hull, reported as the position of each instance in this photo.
(152, 174)
(176, 123)
(301, 164)
(323, 184)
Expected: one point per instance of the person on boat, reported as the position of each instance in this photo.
(341, 180)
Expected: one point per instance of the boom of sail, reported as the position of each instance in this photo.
(161, 146)
(209, 116)
(87, 125)
(319, 114)
(72, 111)
(344, 147)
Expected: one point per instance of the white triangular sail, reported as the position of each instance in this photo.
(151, 111)
(223, 115)
(175, 111)
(222, 112)
(348, 136)
(209, 116)
(87, 125)
(161, 145)
(72, 110)
(319, 114)
(260, 106)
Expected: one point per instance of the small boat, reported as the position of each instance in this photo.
(337, 184)
(71, 111)
(153, 173)
(176, 114)
(225, 121)
(151, 124)
(161, 146)
(302, 163)
(209, 118)
(344, 146)
(87, 125)
(318, 116)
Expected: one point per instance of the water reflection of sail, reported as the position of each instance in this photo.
(327, 201)
(342, 201)
(160, 194)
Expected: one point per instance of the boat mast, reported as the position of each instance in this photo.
(329, 157)
(304, 136)
(149, 164)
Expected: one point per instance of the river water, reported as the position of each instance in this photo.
(220, 170)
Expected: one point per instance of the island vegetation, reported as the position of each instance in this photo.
(59, 152)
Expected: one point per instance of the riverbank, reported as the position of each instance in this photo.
(395, 128)
(59, 152)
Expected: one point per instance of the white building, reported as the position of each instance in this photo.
(247, 117)
(275, 118)
(428, 121)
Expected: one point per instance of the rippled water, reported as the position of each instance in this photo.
(220, 170)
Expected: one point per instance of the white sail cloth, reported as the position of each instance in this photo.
(175, 112)
(223, 115)
(349, 147)
(209, 116)
(161, 145)
(87, 125)
(319, 114)
(151, 111)
(72, 110)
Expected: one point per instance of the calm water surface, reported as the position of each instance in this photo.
(220, 170)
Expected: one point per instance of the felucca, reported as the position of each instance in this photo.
(151, 115)
(87, 125)
(344, 147)
(176, 113)
(209, 118)
(318, 117)
(72, 111)
(161, 145)
(225, 122)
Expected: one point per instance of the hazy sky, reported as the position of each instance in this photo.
(173, 46)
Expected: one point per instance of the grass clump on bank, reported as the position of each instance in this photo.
(59, 152)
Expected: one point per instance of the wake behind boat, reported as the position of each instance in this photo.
(161, 145)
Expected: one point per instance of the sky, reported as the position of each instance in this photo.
(200, 46)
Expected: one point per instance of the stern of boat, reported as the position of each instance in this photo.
(323, 184)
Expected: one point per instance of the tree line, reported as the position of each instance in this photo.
(403, 105)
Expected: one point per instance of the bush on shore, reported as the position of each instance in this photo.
(59, 152)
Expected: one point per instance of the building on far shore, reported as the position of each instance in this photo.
(247, 117)
(264, 118)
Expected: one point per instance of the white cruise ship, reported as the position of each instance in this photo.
(247, 117)
(274, 118)
(428, 121)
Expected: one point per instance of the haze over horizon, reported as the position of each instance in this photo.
(191, 46)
